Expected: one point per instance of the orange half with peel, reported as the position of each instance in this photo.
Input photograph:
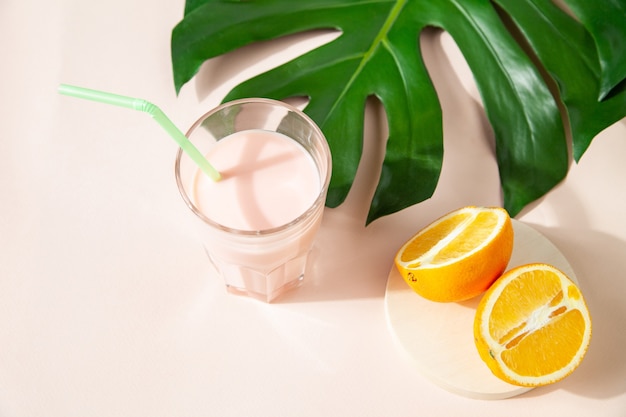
(458, 256)
(532, 327)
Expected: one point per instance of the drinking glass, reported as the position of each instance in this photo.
(259, 263)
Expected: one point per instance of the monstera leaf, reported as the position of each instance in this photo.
(538, 70)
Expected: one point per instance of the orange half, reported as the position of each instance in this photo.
(532, 327)
(459, 255)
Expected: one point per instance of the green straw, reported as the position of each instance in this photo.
(152, 110)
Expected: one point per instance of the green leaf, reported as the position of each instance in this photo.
(606, 22)
(378, 55)
(568, 52)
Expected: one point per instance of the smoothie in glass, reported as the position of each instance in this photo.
(268, 180)
(258, 223)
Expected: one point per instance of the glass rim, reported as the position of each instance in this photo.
(319, 200)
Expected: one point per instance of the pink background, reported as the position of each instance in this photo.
(108, 306)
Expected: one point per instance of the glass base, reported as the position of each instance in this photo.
(261, 284)
(267, 297)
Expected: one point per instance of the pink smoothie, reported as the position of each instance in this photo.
(268, 180)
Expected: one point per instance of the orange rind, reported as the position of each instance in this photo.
(532, 327)
(458, 256)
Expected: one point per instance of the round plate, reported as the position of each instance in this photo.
(440, 336)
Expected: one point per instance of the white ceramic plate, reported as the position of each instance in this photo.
(439, 336)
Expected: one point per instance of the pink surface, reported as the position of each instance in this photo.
(108, 305)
